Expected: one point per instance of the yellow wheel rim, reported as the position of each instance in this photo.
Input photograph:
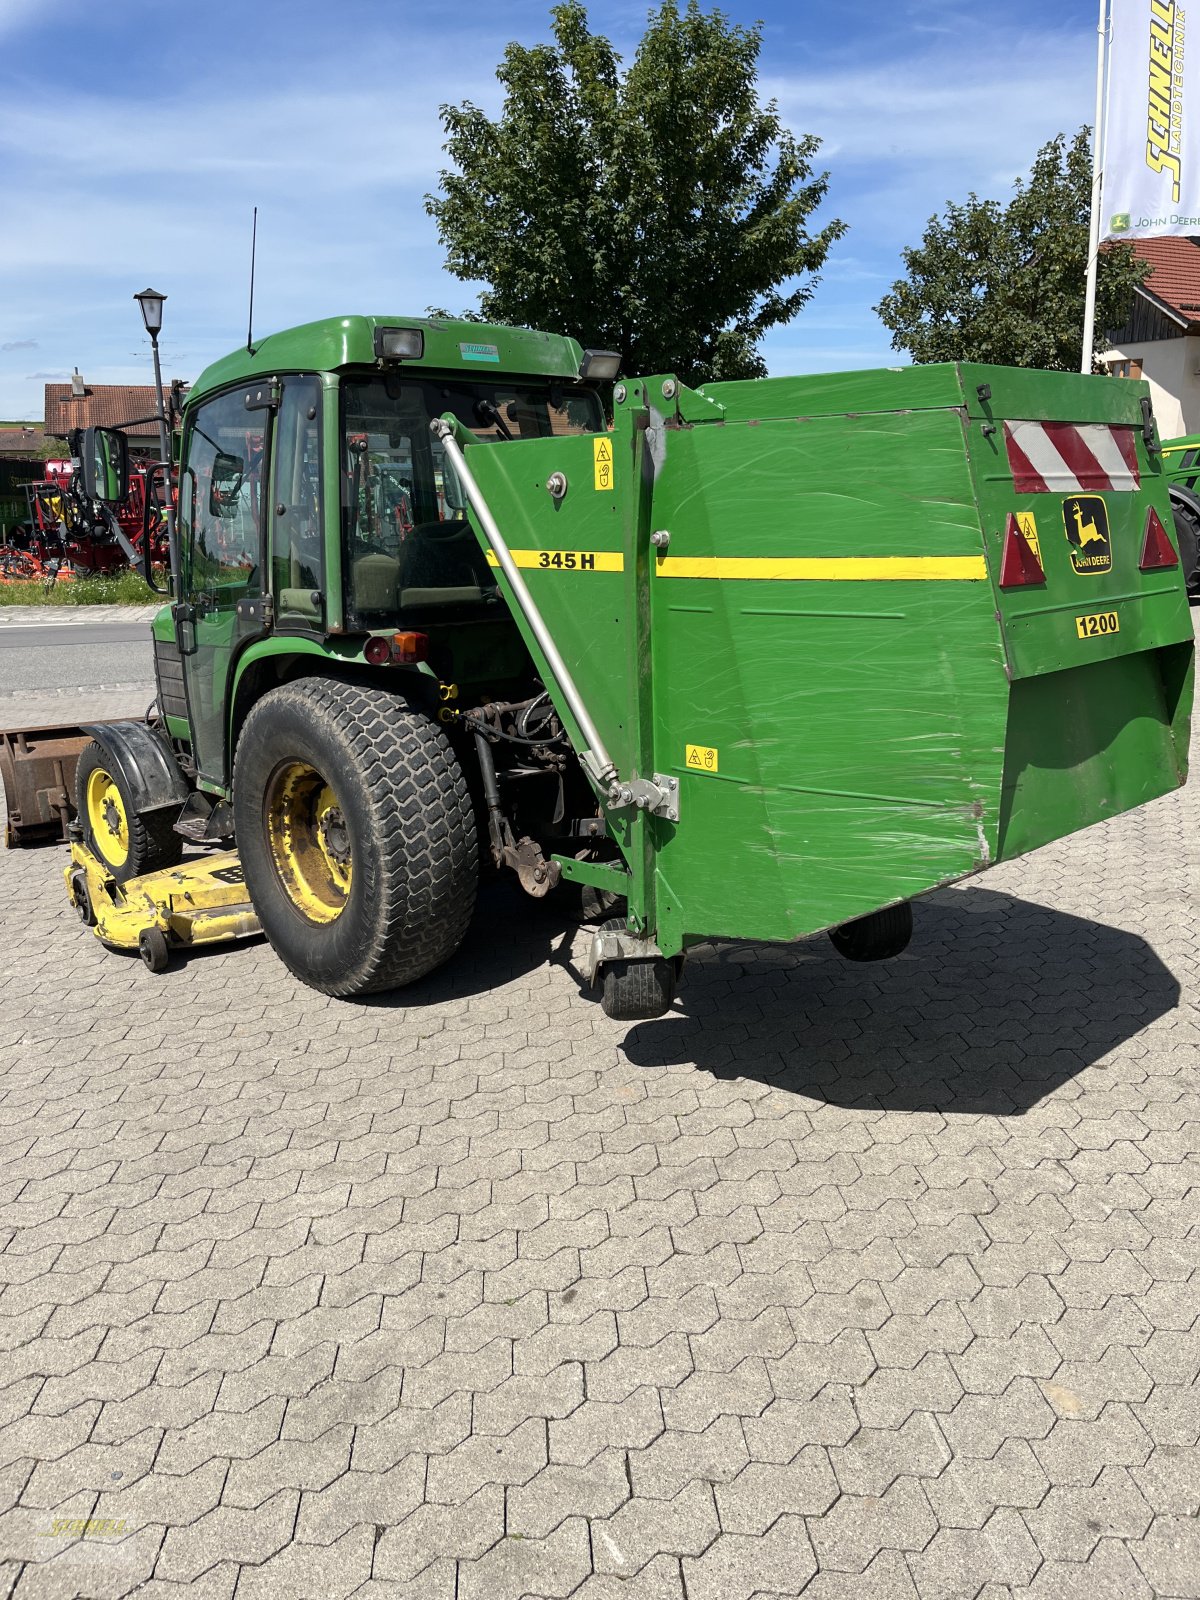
(309, 841)
(107, 823)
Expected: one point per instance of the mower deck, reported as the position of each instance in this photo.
(200, 902)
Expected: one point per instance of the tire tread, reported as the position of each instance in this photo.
(424, 820)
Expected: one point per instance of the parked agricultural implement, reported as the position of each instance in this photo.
(70, 531)
(749, 662)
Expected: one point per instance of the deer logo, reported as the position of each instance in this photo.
(1085, 521)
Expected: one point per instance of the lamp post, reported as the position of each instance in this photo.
(151, 303)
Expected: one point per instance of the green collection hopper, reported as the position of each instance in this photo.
(846, 638)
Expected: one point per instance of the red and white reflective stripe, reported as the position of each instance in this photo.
(1071, 457)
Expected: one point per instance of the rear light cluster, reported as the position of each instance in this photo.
(396, 649)
(1021, 565)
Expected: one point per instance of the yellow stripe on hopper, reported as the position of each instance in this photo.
(828, 569)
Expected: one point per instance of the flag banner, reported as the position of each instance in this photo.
(1152, 144)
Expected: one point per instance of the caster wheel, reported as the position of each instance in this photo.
(637, 991)
(877, 937)
(81, 899)
(154, 950)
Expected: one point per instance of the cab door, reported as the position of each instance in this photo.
(223, 498)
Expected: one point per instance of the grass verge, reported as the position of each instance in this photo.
(122, 589)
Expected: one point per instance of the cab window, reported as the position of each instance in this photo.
(408, 546)
(297, 536)
(220, 504)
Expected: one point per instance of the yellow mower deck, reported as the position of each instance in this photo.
(201, 902)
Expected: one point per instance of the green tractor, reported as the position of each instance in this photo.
(751, 662)
(1181, 459)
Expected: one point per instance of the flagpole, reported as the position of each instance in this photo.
(1089, 303)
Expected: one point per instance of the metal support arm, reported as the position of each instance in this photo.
(595, 757)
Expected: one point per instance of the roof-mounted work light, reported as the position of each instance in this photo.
(599, 366)
(399, 344)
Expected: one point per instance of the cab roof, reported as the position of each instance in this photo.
(338, 342)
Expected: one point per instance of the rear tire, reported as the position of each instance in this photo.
(127, 843)
(876, 937)
(362, 867)
(1187, 535)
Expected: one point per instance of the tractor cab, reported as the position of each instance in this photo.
(317, 508)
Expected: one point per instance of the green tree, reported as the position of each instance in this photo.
(660, 210)
(1005, 283)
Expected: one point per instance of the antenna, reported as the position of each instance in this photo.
(253, 249)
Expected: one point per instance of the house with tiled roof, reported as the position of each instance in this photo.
(128, 406)
(1161, 338)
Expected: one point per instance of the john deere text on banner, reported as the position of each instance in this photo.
(1152, 148)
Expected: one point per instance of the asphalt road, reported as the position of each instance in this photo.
(51, 657)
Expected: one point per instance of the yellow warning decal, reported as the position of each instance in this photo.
(565, 560)
(826, 569)
(602, 453)
(700, 758)
(1028, 526)
(1097, 625)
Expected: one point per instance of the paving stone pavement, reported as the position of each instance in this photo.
(838, 1281)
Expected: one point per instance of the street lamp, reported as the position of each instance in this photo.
(151, 303)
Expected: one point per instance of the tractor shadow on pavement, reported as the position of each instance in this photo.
(997, 1003)
(510, 937)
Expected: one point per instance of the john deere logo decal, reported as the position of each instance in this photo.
(1119, 223)
(1085, 518)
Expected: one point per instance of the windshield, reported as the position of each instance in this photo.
(407, 543)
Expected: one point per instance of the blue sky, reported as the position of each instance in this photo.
(135, 138)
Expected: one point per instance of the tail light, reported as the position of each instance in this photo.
(1157, 549)
(400, 649)
(1019, 564)
(410, 647)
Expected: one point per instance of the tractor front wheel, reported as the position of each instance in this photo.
(128, 843)
(356, 835)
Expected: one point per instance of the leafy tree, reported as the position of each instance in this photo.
(659, 210)
(1006, 283)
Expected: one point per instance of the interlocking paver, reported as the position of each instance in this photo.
(959, 1561)
(970, 1489)
(737, 1565)
(463, 1532)
(228, 1534)
(716, 1455)
(875, 1457)
(642, 1529)
(859, 1526)
(519, 1565)
(842, 1282)
(1109, 1573)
